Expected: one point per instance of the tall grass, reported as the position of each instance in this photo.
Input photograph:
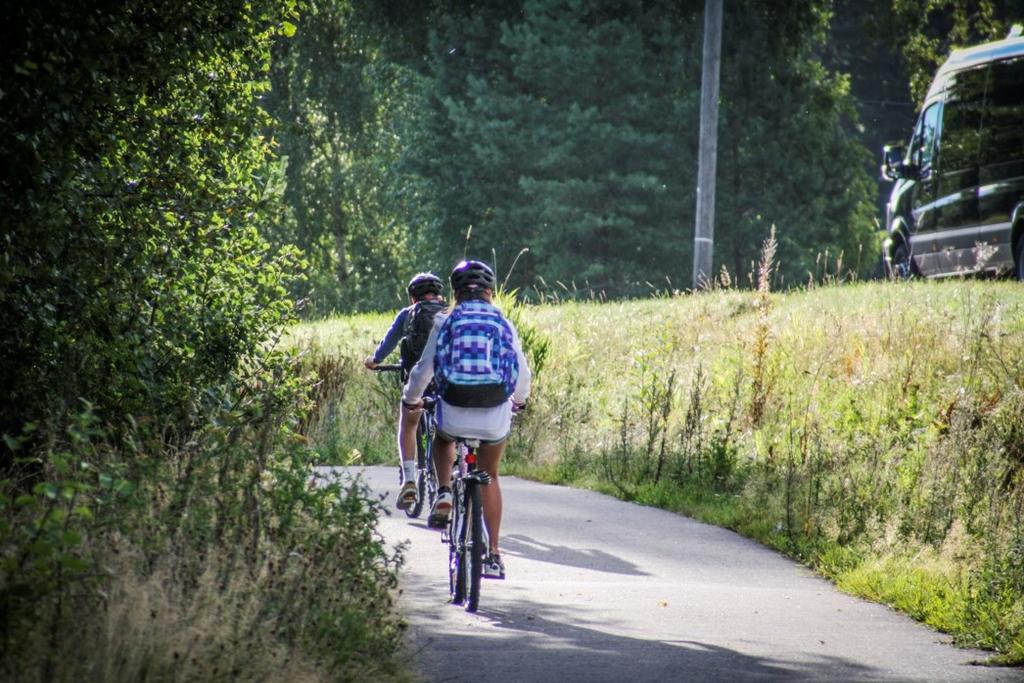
(356, 418)
(198, 556)
(872, 430)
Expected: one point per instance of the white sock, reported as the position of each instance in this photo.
(409, 470)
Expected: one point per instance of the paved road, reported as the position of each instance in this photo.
(601, 590)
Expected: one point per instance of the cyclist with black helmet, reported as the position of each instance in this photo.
(410, 331)
(476, 361)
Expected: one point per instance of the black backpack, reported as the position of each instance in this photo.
(418, 324)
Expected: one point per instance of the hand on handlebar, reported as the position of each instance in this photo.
(370, 363)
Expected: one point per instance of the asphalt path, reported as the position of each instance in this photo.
(602, 590)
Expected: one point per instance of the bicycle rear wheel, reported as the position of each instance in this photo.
(474, 556)
(430, 482)
(457, 545)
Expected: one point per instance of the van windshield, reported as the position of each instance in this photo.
(922, 144)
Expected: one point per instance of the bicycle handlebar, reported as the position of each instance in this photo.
(387, 368)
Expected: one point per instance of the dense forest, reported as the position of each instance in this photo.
(183, 180)
(570, 129)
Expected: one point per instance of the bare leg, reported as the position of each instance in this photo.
(407, 422)
(444, 458)
(489, 458)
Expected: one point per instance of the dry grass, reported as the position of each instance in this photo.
(207, 558)
(151, 628)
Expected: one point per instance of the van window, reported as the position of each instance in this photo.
(1004, 114)
(923, 142)
(961, 120)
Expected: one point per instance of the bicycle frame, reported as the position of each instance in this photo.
(466, 533)
(426, 473)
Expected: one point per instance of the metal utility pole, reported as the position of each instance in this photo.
(704, 234)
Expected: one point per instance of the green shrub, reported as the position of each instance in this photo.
(223, 535)
(157, 520)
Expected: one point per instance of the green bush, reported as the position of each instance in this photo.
(157, 520)
(223, 534)
(133, 274)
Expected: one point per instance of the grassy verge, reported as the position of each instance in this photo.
(874, 431)
(207, 556)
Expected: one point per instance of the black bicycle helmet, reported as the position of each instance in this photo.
(425, 283)
(469, 275)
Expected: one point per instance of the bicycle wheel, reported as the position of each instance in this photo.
(457, 546)
(474, 555)
(430, 475)
(414, 510)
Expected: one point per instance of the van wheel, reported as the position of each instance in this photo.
(901, 267)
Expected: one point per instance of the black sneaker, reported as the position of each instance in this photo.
(494, 568)
(407, 496)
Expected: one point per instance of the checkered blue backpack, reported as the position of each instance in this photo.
(475, 365)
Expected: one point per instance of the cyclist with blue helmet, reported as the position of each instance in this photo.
(409, 331)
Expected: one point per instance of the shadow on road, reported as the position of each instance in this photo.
(584, 558)
(541, 644)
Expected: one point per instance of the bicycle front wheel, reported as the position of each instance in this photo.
(474, 555)
(430, 474)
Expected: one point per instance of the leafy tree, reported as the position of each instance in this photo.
(927, 30)
(136, 180)
(569, 138)
(788, 153)
(153, 420)
(346, 102)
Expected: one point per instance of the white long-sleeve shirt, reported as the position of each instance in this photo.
(488, 424)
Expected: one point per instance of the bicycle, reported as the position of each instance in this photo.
(426, 477)
(465, 533)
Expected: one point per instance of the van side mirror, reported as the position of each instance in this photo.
(893, 167)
